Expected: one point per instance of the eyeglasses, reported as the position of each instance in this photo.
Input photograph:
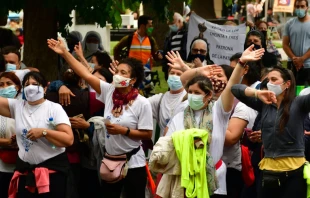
(201, 51)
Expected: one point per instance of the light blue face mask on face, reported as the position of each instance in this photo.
(301, 13)
(8, 92)
(10, 67)
(195, 101)
(173, 28)
(92, 65)
(174, 82)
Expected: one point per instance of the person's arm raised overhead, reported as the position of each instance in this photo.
(249, 55)
(79, 68)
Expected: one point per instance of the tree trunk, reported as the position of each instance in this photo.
(204, 8)
(160, 27)
(40, 24)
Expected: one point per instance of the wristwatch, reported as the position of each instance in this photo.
(127, 132)
(44, 133)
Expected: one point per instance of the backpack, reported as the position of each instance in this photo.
(125, 51)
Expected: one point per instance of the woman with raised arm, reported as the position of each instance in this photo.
(128, 119)
(42, 133)
(204, 113)
(282, 132)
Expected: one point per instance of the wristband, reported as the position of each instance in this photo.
(242, 63)
(255, 94)
(127, 132)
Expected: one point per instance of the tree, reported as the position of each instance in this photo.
(205, 8)
(160, 26)
(43, 18)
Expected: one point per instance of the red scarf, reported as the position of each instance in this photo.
(120, 99)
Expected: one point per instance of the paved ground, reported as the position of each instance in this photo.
(283, 54)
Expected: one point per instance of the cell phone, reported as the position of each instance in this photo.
(106, 121)
(248, 131)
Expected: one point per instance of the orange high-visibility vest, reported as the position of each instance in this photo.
(141, 51)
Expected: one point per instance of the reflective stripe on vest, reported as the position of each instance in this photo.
(141, 51)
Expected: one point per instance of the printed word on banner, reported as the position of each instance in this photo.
(224, 41)
(283, 6)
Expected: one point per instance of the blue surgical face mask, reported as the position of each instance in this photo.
(10, 67)
(92, 65)
(195, 101)
(8, 92)
(174, 82)
(173, 28)
(200, 56)
(301, 13)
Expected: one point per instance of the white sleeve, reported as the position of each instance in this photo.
(145, 117)
(12, 106)
(59, 115)
(175, 123)
(241, 112)
(104, 87)
(154, 100)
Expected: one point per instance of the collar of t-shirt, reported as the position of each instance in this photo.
(140, 38)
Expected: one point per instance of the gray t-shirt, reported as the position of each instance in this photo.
(299, 34)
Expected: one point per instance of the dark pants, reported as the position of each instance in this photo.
(57, 187)
(5, 179)
(302, 76)
(89, 184)
(294, 186)
(134, 185)
(234, 183)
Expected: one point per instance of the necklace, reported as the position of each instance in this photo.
(28, 108)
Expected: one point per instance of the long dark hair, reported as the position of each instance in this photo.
(289, 94)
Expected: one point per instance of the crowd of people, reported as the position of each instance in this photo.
(236, 131)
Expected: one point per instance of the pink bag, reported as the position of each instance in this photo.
(113, 168)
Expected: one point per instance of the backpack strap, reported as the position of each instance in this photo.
(129, 41)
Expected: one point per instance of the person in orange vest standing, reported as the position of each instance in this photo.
(139, 45)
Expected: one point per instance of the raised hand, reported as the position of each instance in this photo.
(176, 61)
(210, 70)
(57, 46)
(252, 55)
(113, 66)
(78, 50)
(267, 97)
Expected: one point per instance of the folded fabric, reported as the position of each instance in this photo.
(42, 179)
(163, 158)
(193, 161)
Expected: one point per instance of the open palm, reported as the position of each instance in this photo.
(57, 46)
(210, 70)
(176, 61)
(252, 55)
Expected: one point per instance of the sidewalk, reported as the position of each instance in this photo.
(283, 54)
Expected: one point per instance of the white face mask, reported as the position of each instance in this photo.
(277, 89)
(34, 93)
(121, 81)
(92, 47)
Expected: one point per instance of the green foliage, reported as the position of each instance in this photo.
(228, 2)
(99, 11)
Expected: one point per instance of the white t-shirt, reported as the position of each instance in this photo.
(41, 149)
(138, 116)
(232, 154)
(167, 107)
(220, 122)
(7, 129)
(21, 73)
